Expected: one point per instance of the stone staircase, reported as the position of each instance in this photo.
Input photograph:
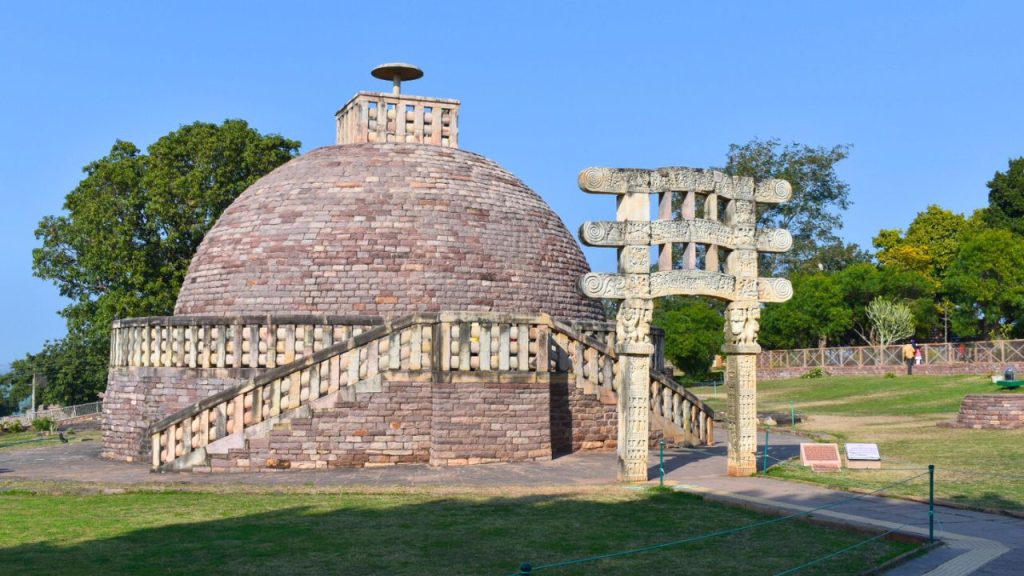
(445, 389)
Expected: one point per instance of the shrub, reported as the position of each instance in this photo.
(814, 373)
(44, 424)
(14, 426)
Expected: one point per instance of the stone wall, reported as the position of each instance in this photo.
(138, 397)
(440, 419)
(581, 420)
(1000, 411)
(495, 417)
(923, 370)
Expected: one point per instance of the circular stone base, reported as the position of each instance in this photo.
(998, 411)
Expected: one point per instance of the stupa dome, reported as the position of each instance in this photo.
(386, 229)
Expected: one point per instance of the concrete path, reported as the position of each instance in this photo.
(975, 543)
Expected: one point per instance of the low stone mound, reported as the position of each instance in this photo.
(993, 411)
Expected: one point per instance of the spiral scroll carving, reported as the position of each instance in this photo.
(593, 179)
(602, 285)
(595, 232)
(774, 289)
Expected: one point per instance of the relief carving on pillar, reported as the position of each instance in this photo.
(633, 324)
(741, 327)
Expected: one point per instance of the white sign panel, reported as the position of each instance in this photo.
(855, 451)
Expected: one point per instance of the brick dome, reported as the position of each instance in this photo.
(387, 230)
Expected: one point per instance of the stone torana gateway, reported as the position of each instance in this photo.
(728, 224)
(391, 299)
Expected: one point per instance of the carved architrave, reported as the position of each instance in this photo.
(607, 233)
(674, 179)
(693, 283)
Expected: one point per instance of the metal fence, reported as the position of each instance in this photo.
(994, 351)
(58, 414)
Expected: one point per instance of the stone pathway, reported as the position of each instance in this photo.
(974, 542)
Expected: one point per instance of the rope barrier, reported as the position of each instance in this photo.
(526, 568)
(839, 552)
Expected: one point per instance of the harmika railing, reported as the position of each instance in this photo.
(995, 351)
(445, 342)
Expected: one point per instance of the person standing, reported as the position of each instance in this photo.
(908, 357)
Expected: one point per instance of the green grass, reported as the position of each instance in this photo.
(33, 439)
(413, 532)
(979, 468)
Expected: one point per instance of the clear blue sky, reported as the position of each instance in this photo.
(928, 93)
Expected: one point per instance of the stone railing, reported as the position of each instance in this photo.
(985, 353)
(378, 117)
(219, 342)
(677, 405)
(445, 342)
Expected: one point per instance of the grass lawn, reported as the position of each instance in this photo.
(980, 468)
(33, 439)
(301, 531)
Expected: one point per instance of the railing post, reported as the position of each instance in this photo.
(156, 450)
(764, 464)
(661, 462)
(931, 502)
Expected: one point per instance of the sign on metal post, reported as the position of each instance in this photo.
(719, 260)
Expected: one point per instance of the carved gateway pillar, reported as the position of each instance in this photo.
(726, 227)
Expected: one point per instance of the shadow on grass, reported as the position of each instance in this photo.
(203, 533)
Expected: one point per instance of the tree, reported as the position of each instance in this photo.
(986, 284)
(1006, 198)
(693, 333)
(129, 232)
(815, 314)
(890, 321)
(813, 214)
(929, 246)
(860, 284)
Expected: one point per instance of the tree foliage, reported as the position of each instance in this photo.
(813, 215)
(815, 314)
(693, 333)
(986, 282)
(123, 246)
(862, 283)
(928, 247)
(1006, 198)
(890, 321)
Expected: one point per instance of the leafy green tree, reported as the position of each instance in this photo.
(693, 333)
(815, 314)
(862, 283)
(1006, 198)
(986, 283)
(928, 247)
(813, 215)
(129, 232)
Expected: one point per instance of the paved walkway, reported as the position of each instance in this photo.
(975, 543)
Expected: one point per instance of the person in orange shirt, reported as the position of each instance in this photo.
(908, 357)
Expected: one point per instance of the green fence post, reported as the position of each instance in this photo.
(792, 416)
(931, 502)
(661, 462)
(764, 466)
